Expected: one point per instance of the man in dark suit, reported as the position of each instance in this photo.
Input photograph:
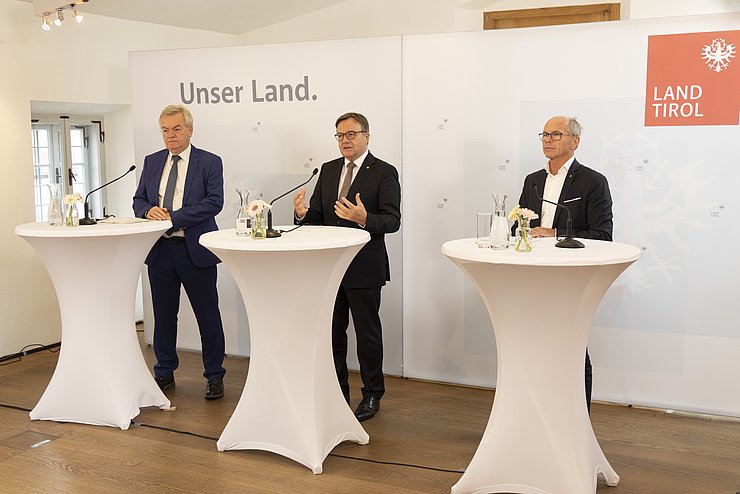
(358, 191)
(563, 179)
(185, 185)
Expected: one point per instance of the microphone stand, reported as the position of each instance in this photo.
(91, 221)
(568, 242)
(272, 233)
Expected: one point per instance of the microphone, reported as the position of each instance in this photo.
(91, 221)
(270, 233)
(568, 242)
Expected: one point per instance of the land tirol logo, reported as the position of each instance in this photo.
(693, 79)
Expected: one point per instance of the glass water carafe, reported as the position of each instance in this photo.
(54, 214)
(243, 220)
(500, 226)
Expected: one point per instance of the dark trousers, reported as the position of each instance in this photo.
(589, 379)
(174, 268)
(364, 303)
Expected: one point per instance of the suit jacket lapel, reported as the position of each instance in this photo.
(362, 173)
(191, 173)
(540, 182)
(155, 177)
(332, 175)
(566, 189)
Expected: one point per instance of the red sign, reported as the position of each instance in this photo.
(693, 79)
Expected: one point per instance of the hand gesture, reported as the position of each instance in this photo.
(348, 211)
(299, 203)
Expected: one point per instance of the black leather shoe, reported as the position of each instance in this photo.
(214, 388)
(165, 382)
(367, 408)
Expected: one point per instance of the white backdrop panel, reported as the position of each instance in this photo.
(272, 146)
(473, 104)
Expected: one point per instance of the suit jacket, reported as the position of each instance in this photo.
(380, 192)
(203, 199)
(591, 214)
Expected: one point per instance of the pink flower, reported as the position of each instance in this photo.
(528, 214)
(257, 207)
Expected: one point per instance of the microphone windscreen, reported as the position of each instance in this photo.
(133, 167)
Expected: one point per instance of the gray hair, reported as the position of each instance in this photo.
(170, 110)
(574, 128)
(358, 117)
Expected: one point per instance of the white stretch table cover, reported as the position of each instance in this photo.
(101, 377)
(539, 438)
(291, 404)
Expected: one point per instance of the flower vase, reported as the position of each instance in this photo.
(73, 216)
(523, 237)
(258, 226)
(54, 214)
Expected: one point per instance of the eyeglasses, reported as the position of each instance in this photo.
(555, 136)
(349, 135)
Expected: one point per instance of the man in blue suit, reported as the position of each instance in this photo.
(583, 190)
(358, 190)
(185, 185)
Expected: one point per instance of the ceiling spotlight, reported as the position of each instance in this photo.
(78, 17)
(59, 19)
(46, 25)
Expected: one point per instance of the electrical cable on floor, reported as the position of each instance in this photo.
(35, 347)
(210, 438)
(381, 462)
(410, 465)
(14, 407)
(178, 431)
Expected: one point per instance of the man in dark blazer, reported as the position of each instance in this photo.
(185, 185)
(358, 191)
(584, 191)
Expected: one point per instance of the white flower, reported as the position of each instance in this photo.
(514, 213)
(72, 199)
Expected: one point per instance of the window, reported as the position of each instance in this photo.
(46, 165)
(551, 16)
(68, 152)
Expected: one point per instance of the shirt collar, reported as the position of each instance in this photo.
(184, 156)
(359, 161)
(565, 167)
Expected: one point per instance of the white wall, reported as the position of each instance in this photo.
(86, 63)
(360, 18)
(472, 111)
(28, 303)
(646, 9)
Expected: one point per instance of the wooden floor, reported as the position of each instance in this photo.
(420, 442)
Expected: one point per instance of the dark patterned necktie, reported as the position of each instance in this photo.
(347, 180)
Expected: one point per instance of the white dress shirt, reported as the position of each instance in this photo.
(553, 188)
(182, 171)
(358, 163)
